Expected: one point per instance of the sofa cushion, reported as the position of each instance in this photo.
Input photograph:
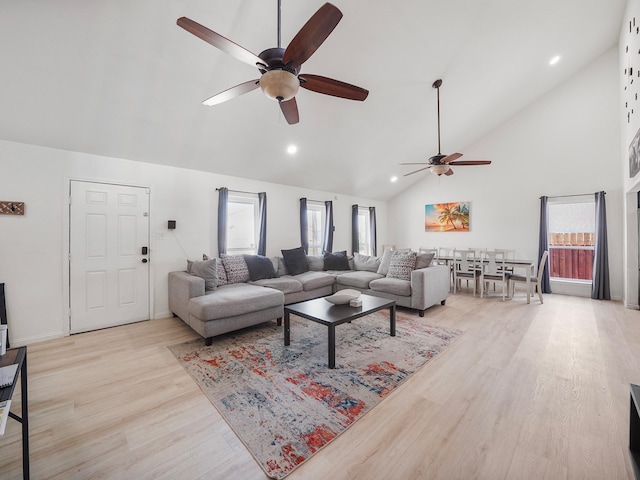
(286, 284)
(206, 270)
(236, 268)
(232, 300)
(365, 262)
(336, 261)
(358, 279)
(423, 260)
(316, 263)
(401, 265)
(259, 267)
(394, 286)
(295, 261)
(312, 280)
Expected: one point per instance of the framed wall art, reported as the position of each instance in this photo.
(634, 156)
(446, 217)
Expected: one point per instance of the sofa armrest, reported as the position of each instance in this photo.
(429, 286)
(182, 288)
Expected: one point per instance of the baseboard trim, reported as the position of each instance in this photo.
(160, 315)
(21, 342)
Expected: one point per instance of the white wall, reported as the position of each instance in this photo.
(567, 142)
(630, 126)
(32, 259)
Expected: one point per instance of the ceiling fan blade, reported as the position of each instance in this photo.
(220, 42)
(416, 171)
(232, 92)
(451, 158)
(290, 111)
(329, 86)
(471, 162)
(312, 35)
(448, 172)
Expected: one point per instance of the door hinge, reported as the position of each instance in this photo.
(69, 199)
(69, 257)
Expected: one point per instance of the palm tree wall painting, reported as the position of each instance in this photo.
(446, 217)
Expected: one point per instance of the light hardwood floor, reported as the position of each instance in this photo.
(527, 392)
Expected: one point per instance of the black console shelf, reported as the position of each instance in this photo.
(19, 356)
(634, 430)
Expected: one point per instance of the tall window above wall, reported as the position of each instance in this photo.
(365, 243)
(315, 226)
(242, 223)
(572, 226)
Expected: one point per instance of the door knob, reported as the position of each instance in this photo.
(144, 260)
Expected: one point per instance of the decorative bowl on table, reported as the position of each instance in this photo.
(343, 297)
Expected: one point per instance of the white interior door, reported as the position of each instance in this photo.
(108, 263)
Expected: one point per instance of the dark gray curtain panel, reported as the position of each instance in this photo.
(355, 245)
(223, 199)
(543, 244)
(304, 226)
(374, 234)
(600, 284)
(327, 244)
(262, 213)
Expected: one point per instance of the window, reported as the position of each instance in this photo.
(572, 226)
(242, 223)
(315, 226)
(364, 232)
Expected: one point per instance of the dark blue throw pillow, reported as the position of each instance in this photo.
(259, 267)
(336, 261)
(295, 260)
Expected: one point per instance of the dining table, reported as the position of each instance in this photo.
(527, 265)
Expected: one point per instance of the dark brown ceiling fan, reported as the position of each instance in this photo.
(441, 164)
(280, 68)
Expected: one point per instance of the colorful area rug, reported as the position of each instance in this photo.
(284, 403)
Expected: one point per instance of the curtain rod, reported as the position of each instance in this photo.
(574, 195)
(317, 201)
(237, 191)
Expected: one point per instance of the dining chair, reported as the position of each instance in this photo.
(535, 280)
(466, 266)
(493, 271)
(445, 256)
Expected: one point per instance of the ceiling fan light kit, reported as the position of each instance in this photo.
(279, 67)
(279, 85)
(439, 169)
(440, 164)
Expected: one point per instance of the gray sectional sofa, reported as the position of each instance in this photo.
(218, 296)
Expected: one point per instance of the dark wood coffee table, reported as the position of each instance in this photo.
(320, 311)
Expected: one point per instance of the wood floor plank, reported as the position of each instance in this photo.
(528, 391)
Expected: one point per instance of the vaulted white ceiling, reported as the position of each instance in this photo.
(120, 78)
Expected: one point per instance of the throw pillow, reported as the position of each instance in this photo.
(222, 273)
(207, 271)
(401, 265)
(336, 261)
(236, 268)
(366, 263)
(383, 269)
(295, 260)
(259, 267)
(423, 260)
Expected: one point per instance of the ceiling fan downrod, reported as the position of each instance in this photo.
(436, 85)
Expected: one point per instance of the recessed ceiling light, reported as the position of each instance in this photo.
(291, 149)
(394, 179)
(554, 60)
